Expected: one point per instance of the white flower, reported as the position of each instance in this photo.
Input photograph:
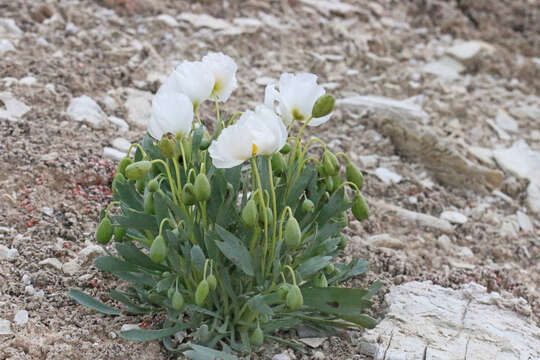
(193, 79)
(223, 69)
(171, 113)
(256, 133)
(296, 97)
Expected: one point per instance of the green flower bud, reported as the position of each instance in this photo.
(202, 333)
(257, 338)
(293, 234)
(212, 282)
(187, 194)
(323, 106)
(330, 163)
(354, 175)
(104, 231)
(329, 183)
(294, 298)
(250, 213)
(138, 170)
(158, 250)
(337, 180)
(283, 290)
(308, 205)
(344, 219)
(201, 188)
(205, 143)
(153, 185)
(330, 268)
(360, 208)
(170, 292)
(167, 146)
(122, 165)
(148, 202)
(177, 301)
(119, 233)
(278, 163)
(202, 292)
(154, 298)
(285, 149)
(321, 281)
(165, 274)
(320, 170)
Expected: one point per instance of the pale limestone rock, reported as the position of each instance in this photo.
(84, 108)
(52, 262)
(113, 154)
(446, 67)
(139, 106)
(6, 46)
(506, 122)
(121, 144)
(21, 317)
(388, 177)
(71, 267)
(470, 50)
(14, 108)
(89, 253)
(426, 321)
(5, 327)
(386, 107)
(386, 241)
(520, 161)
(454, 217)
(167, 20)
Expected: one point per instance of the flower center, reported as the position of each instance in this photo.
(297, 115)
(254, 149)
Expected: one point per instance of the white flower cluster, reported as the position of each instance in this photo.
(259, 132)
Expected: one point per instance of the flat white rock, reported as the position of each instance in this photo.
(139, 106)
(483, 154)
(446, 67)
(121, 124)
(368, 161)
(326, 7)
(386, 176)
(9, 26)
(282, 356)
(204, 20)
(84, 108)
(113, 154)
(533, 197)
(6, 46)
(5, 327)
(127, 327)
(121, 144)
(167, 20)
(454, 217)
(469, 50)
(524, 222)
(13, 109)
(52, 262)
(426, 321)
(526, 112)
(89, 253)
(385, 107)
(520, 161)
(506, 122)
(8, 253)
(71, 267)
(21, 317)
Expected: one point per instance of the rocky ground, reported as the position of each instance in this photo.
(439, 106)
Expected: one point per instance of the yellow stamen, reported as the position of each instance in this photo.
(254, 149)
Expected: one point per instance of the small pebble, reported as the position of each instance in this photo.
(21, 317)
(454, 217)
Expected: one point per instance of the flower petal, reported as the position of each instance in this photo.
(224, 70)
(171, 112)
(192, 79)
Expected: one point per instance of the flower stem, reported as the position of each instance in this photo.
(274, 210)
(263, 205)
(173, 187)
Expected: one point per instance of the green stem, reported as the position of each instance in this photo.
(173, 187)
(282, 220)
(263, 205)
(292, 273)
(351, 184)
(178, 181)
(140, 148)
(235, 115)
(112, 203)
(274, 210)
(163, 223)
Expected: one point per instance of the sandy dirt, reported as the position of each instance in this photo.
(54, 179)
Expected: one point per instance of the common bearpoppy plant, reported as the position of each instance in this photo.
(234, 237)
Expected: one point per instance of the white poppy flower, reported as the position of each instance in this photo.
(295, 99)
(193, 79)
(256, 133)
(224, 69)
(171, 113)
